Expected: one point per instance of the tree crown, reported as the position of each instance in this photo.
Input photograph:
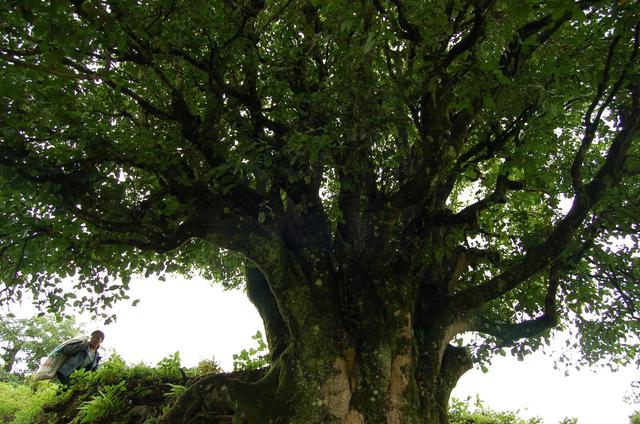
(486, 151)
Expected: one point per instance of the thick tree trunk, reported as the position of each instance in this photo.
(361, 367)
(344, 343)
(312, 387)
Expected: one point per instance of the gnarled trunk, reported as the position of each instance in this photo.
(339, 357)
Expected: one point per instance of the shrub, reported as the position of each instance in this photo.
(169, 367)
(107, 404)
(20, 403)
(109, 394)
(206, 366)
(461, 413)
(11, 377)
(175, 391)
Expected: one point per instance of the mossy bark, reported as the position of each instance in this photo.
(351, 340)
(359, 366)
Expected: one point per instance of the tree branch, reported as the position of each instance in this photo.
(213, 396)
(455, 362)
(262, 297)
(206, 217)
(543, 28)
(592, 123)
(540, 256)
(409, 31)
(480, 11)
(508, 333)
(613, 279)
(490, 146)
(470, 214)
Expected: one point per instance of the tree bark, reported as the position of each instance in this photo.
(259, 293)
(356, 364)
(9, 357)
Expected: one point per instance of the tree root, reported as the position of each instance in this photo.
(210, 399)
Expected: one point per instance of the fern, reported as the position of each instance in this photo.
(175, 391)
(106, 404)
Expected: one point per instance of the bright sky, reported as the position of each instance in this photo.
(203, 321)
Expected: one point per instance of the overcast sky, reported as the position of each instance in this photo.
(203, 322)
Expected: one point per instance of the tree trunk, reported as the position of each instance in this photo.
(314, 386)
(340, 358)
(9, 357)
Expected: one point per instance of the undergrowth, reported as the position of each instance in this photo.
(119, 393)
(116, 393)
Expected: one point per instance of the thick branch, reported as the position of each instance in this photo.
(455, 362)
(495, 141)
(470, 214)
(408, 30)
(481, 10)
(540, 256)
(508, 333)
(542, 29)
(147, 229)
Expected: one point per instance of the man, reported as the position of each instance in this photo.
(71, 356)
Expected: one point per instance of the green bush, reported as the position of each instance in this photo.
(175, 391)
(20, 403)
(460, 413)
(107, 404)
(11, 377)
(169, 367)
(104, 396)
(206, 366)
(635, 418)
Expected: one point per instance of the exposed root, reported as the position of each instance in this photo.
(209, 399)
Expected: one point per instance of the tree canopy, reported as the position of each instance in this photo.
(385, 175)
(25, 341)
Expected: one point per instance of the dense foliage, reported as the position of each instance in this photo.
(26, 341)
(116, 393)
(20, 403)
(385, 176)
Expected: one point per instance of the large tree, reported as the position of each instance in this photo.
(385, 175)
(25, 341)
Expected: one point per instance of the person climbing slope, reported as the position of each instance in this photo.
(70, 356)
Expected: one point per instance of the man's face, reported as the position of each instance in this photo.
(95, 341)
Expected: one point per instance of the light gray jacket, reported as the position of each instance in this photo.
(78, 354)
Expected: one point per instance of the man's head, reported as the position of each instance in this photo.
(97, 337)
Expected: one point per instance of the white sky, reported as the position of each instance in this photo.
(203, 321)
